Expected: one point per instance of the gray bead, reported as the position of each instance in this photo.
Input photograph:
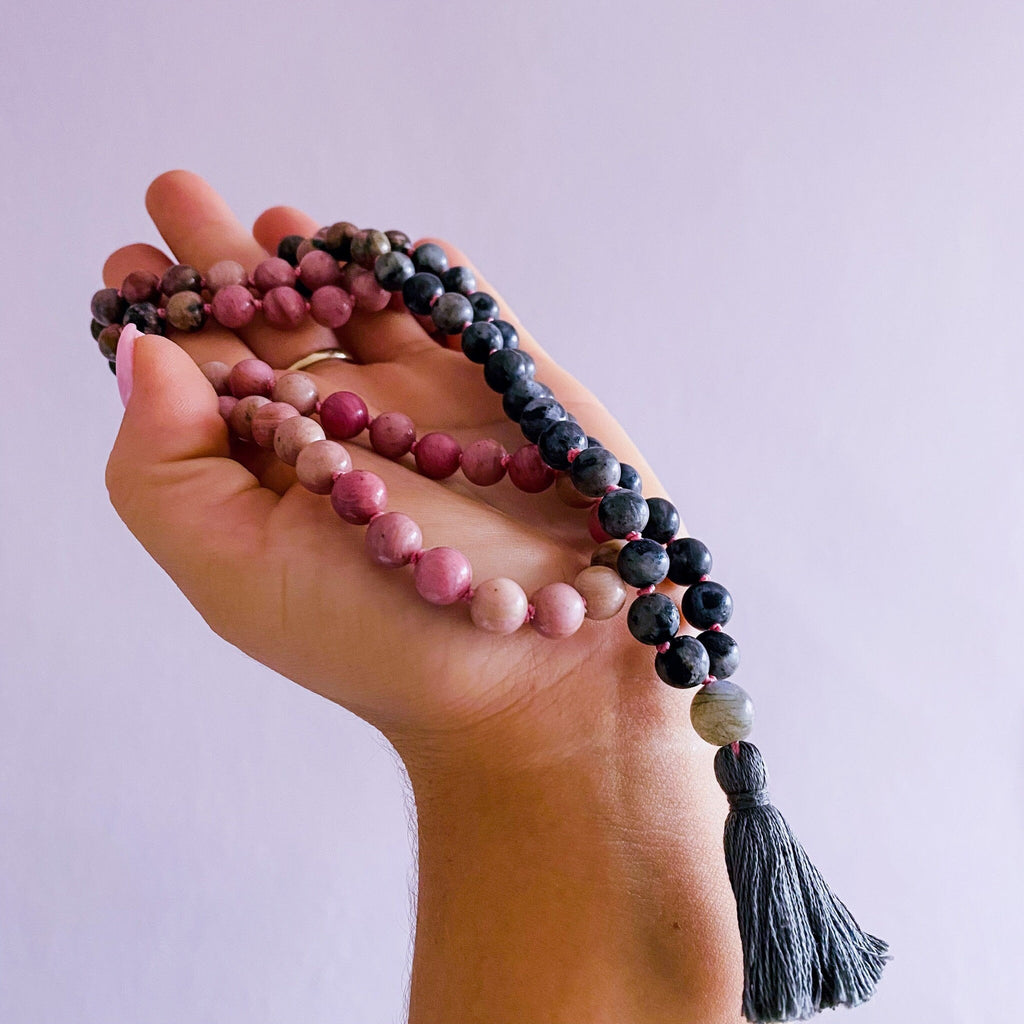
(642, 563)
(722, 713)
(594, 471)
(622, 511)
(451, 313)
(684, 664)
(723, 651)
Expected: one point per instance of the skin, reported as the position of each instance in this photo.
(570, 827)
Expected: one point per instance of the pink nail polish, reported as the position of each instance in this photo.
(126, 360)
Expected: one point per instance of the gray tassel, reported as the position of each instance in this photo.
(802, 949)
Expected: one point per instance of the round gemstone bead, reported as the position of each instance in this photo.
(320, 463)
(219, 375)
(287, 248)
(421, 291)
(504, 367)
(368, 295)
(630, 478)
(430, 258)
(367, 246)
(294, 434)
(538, 415)
(318, 268)
(144, 316)
(568, 494)
(273, 272)
(358, 496)
(461, 280)
(224, 273)
(226, 406)
(267, 419)
(498, 605)
(251, 377)
(451, 313)
(689, 559)
(594, 471)
(653, 618)
(519, 395)
(508, 333)
(594, 527)
(392, 270)
(442, 575)
(400, 242)
(482, 462)
(108, 307)
(298, 389)
(722, 713)
(485, 307)
(392, 539)
(663, 522)
(528, 471)
(338, 239)
(642, 563)
(186, 311)
(241, 416)
(479, 340)
(331, 306)
(233, 306)
(706, 604)
(181, 278)
(723, 652)
(306, 246)
(558, 440)
(140, 286)
(107, 340)
(437, 455)
(621, 512)
(392, 434)
(684, 664)
(284, 308)
(558, 610)
(607, 553)
(603, 591)
(344, 415)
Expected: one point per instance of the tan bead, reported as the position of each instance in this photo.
(569, 495)
(608, 553)
(722, 712)
(241, 416)
(292, 435)
(558, 610)
(498, 605)
(603, 589)
(298, 389)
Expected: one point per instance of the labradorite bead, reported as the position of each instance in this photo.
(538, 415)
(622, 511)
(663, 523)
(181, 278)
(459, 279)
(689, 558)
(392, 270)
(400, 242)
(367, 246)
(485, 307)
(684, 664)
(642, 563)
(706, 604)
(451, 313)
(594, 471)
(421, 291)
(145, 317)
(508, 332)
(287, 248)
(520, 394)
(722, 713)
(630, 478)
(185, 311)
(559, 439)
(479, 340)
(430, 258)
(593, 442)
(723, 652)
(653, 618)
(108, 307)
(504, 367)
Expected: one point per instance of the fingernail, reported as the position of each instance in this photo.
(125, 360)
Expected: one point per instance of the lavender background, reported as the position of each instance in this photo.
(784, 243)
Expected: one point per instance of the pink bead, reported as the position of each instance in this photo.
(392, 539)
(358, 496)
(344, 415)
(226, 405)
(558, 610)
(330, 306)
(319, 268)
(242, 414)
(498, 605)
(140, 286)
(304, 247)
(217, 374)
(529, 472)
(293, 435)
(481, 462)
(320, 463)
(349, 272)
(568, 494)
(442, 575)
(225, 273)
(437, 455)
(251, 377)
(392, 434)
(597, 531)
(267, 419)
(284, 308)
(233, 307)
(368, 294)
(298, 389)
(273, 273)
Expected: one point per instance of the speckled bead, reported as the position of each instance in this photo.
(186, 311)
(629, 478)
(653, 618)
(437, 455)
(504, 367)
(400, 242)
(392, 539)
(284, 308)
(461, 280)
(317, 269)
(498, 605)
(343, 415)
(219, 375)
(723, 652)
(689, 559)
(368, 295)
(430, 258)
(594, 471)
(642, 563)
(421, 291)
(451, 313)
(528, 471)
(298, 389)
(338, 239)
(607, 553)
(108, 307)
(181, 278)
(442, 575)
(559, 610)
(538, 415)
(568, 495)
(602, 590)
(622, 512)
(241, 416)
(594, 527)
(224, 273)
(331, 306)
(558, 440)
(685, 663)
(251, 377)
(294, 434)
(140, 286)
(107, 340)
(267, 419)
(482, 462)
(663, 521)
(392, 434)
(707, 604)
(367, 245)
(392, 270)
(320, 463)
(358, 496)
(508, 334)
(479, 340)
(519, 395)
(722, 713)
(233, 306)
(273, 272)
(485, 307)
(145, 317)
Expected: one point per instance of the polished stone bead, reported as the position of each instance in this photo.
(317, 269)
(292, 435)
(95, 327)
(145, 317)
(233, 306)
(629, 478)
(451, 313)
(602, 590)
(706, 604)
(392, 434)
(421, 291)
(267, 419)
(538, 415)
(520, 393)
(331, 306)
(343, 415)
(273, 272)
(653, 618)
(689, 559)
(224, 273)
(558, 610)
(226, 406)
(607, 553)
(442, 575)
(320, 463)
(504, 367)
(663, 521)
(251, 377)
(358, 496)
(508, 333)
(392, 270)
(684, 664)
(482, 462)
(368, 295)
(459, 279)
(287, 247)
(185, 311)
(108, 339)
(241, 416)
(284, 308)
(297, 389)
(437, 455)
(430, 258)
(400, 242)
(642, 563)
(528, 471)
(112, 366)
(140, 286)
(305, 247)
(723, 652)
(338, 239)
(594, 527)
(594, 471)
(498, 605)
(558, 440)
(722, 713)
(485, 307)
(108, 307)
(593, 442)
(392, 539)
(621, 512)
(568, 494)
(367, 246)
(181, 278)
(219, 376)
(479, 340)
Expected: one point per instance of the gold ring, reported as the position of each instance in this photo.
(315, 357)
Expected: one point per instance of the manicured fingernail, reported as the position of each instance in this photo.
(125, 355)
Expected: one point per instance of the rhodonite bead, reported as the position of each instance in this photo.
(338, 239)
(442, 575)
(706, 604)
(226, 406)
(519, 395)
(663, 521)
(107, 340)
(689, 559)
(108, 307)
(451, 313)
(298, 389)
(479, 340)
(684, 664)
(723, 652)
(318, 268)
(430, 258)
(482, 462)
(400, 242)
(722, 713)
(294, 434)
(528, 471)
(140, 286)
(330, 306)
(653, 618)
(538, 415)
(368, 295)
(392, 434)
(392, 539)
(508, 333)
(558, 440)
(421, 291)
(629, 478)
(304, 248)
(558, 610)
(219, 375)
(607, 553)
(504, 367)
(594, 527)
(144, 316)
(241, 415)
(343, 415)
(642, 563)
(320, 463)
(284, 308)
(594, 470)
(367, 245)
(287, 248)
(459, 279)
(251, 377)
(485, 307)
(186, 311)
(603, 591)
(568, 494)
(621, 512)
(233, 306)
(267, 419)
(273, 272)
(437, 455)
(224, 273)
(498, 605)
(358, 496)
(392, 270)
(181, 278)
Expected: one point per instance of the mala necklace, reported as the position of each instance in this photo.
(802, 949)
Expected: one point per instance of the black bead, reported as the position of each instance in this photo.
(485, 307)
(642, 563)
(451, 313)
(707, 604)
(287, 246)
(663, 523)
(526, 355)
(684, 664)
(505, 367)
(108, 307)
(621, 512)
(520, 394)
(593, 442)
(421, 291)
(559, 439)
(145, 317)
(508, 332)
(113, 366)
(689, 558)
(96, 327)
(594, 471)
(392, 270)
(653, 619)
(723, 652)
(400, 242)
(430, 258)
(630, 478)
(479, 340)
(538, 415)
(459, 279)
